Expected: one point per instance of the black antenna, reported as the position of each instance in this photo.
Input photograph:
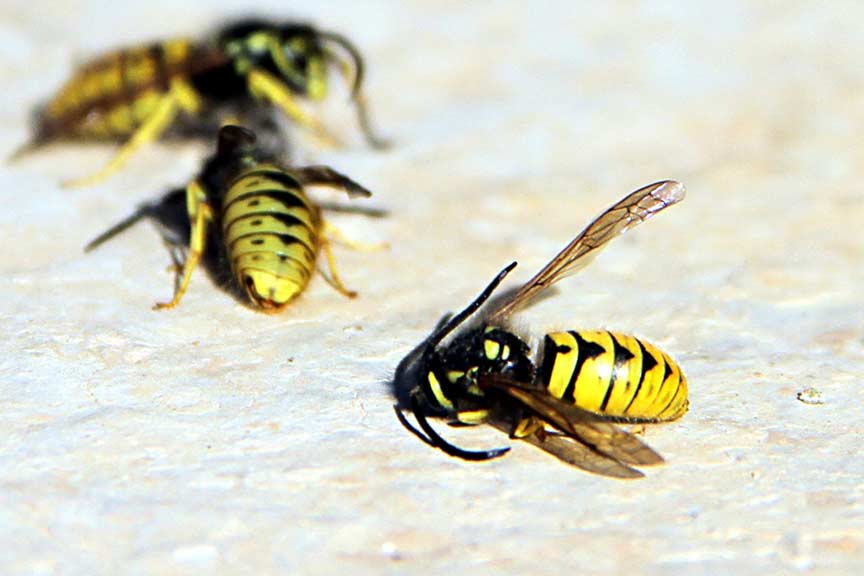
(356, 57)
(438, 442)
(459, 318)
(356, 89)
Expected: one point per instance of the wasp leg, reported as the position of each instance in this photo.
(435, 439)
(336, 236)
(529, 427)
(200, 215)
(347, 70)
(374, 140)
(367, 211)
(180, 97)
(267, 87)
(330, 235)
(471, 417)
(333, 278)
(326, 176)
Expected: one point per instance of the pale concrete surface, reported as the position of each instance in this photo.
(211, 439)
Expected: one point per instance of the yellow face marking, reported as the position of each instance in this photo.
(435, 385)
(492, 349)
(505, 352)
(454, 375)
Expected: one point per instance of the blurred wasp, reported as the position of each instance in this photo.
(134, 95)
(581, 383)
(258, 213)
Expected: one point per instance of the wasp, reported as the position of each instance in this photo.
(134, 95)
(267, 228)
(580, 384)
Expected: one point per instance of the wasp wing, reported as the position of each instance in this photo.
(590, 429)
(581, 456)
(633, 209)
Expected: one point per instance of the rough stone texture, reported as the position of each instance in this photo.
(215, 439)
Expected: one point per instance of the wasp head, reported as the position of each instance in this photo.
(458, 366)
(292, 52)
(445, 377)
(450, 372)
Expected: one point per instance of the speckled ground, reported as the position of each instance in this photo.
(212, 439)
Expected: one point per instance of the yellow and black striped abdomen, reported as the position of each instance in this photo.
(271, 233)
(614, 375)
(109, 97)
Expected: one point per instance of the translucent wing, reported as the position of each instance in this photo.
(601, 437)
(577, 454)
(633, 209)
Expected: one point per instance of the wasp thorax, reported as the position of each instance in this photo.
(488, 350)
(505, 353)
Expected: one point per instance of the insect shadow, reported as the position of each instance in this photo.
(170, 217)
(168, 214)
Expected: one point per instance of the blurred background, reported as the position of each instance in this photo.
(212, 438)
